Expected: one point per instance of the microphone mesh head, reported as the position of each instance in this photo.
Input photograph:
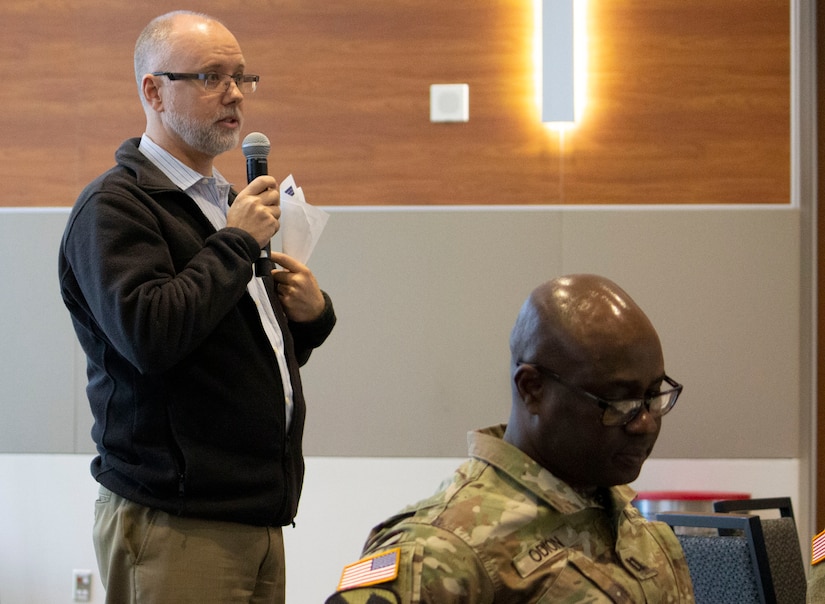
(255, 145)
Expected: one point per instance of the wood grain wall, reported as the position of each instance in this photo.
(689, 102)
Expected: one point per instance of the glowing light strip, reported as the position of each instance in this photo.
(560, 60)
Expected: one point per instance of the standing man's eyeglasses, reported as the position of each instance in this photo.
(212, 81)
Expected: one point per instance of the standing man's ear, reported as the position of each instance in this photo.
(152, 92)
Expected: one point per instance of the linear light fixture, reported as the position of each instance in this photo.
(561, 64)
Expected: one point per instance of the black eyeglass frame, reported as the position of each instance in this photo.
(675, 391)
(240, 79)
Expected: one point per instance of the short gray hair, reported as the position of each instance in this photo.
(153, 45)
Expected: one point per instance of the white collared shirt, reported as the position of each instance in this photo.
(211, 193)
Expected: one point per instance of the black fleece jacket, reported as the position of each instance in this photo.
(185, 390)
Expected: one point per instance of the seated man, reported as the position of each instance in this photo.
(541, 511)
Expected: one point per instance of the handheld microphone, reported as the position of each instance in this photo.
(255, 148)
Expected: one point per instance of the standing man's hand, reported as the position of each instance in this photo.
(257, 209)
(297, 289)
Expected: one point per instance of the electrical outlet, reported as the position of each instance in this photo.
(81, 585)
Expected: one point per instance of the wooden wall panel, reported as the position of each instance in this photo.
(689, 101)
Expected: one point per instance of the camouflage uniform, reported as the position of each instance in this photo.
(816, 584)
(503, 529)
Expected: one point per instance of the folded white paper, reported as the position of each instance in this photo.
(301, 223)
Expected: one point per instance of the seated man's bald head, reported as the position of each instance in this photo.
(579, 339)
(576, 318)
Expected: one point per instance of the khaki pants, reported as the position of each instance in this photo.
(148, 556)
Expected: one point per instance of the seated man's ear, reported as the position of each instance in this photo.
(530, 385)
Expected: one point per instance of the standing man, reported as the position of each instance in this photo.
(192, 361)
(541, 512)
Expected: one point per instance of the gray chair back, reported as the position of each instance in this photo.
(728, 565)
(781, 543)
(720, 569)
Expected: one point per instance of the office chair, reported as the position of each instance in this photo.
(730, 566)
(781, 542)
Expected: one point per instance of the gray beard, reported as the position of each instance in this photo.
(209, 140)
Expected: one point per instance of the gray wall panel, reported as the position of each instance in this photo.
(426, 299)
(722, 286)
(36, 340)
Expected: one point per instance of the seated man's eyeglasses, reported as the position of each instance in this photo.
(246, 83)
(623, 411)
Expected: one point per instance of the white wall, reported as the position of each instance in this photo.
(46, 509)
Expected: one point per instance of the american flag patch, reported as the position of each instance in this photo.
(369, 571)
(818, 548)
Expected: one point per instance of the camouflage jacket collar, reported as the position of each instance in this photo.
(487, 445)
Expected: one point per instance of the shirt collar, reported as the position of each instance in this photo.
(179, 173)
